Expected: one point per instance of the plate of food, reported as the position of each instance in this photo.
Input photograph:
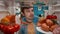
(46, 26)
(45, 32)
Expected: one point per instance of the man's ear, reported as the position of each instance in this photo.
(22, 14)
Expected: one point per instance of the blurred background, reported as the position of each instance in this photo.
(41, 7)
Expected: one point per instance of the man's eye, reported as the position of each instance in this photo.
(32, 11)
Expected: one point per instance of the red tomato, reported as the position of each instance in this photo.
(8, 16)
(5, 29)
(11, 29)
(54, 16)
(51, 17)
(12, 20)
(17, 27)
(2, 26)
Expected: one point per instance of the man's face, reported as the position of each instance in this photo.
(29, 14)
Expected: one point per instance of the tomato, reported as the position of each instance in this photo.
(54, 16)
(51, 17)
(12, 19)
(5, 29)
(11, 29)
(2, 26)
(8, 30)
(17, 27)
(8, 16)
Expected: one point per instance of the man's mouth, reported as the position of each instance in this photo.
(31, 16)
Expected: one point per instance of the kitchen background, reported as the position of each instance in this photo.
(9, 7)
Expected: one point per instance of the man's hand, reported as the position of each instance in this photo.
(56, 30)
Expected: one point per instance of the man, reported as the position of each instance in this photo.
(30, 21)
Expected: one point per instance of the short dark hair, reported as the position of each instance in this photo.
(22, 8)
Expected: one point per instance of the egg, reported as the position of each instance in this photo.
(45, 27)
